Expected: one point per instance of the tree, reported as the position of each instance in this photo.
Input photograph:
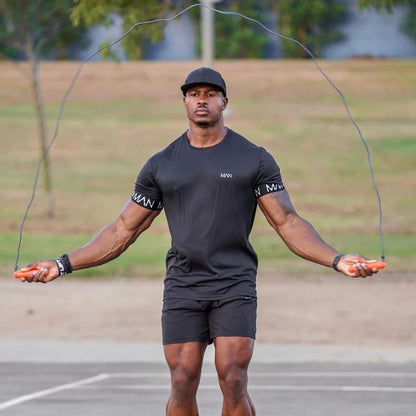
(28, 30)
(236, 37)
(92, 12)
(383, 4)
(311, 22)
(408, 25)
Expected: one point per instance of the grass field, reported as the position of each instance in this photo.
(119, 114)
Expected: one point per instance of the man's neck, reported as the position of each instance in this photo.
(206, 136)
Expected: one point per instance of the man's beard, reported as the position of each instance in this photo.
(204, 123)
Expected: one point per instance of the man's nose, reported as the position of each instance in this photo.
(202, 98)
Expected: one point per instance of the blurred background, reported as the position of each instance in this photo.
(126, 105)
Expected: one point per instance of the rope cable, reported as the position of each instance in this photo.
(166, 20)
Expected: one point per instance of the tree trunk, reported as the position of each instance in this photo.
(47, 180)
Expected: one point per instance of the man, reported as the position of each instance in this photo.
(209, 181)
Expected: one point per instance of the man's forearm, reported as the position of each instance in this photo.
(109, 243)
(115, 238)
(303, 240)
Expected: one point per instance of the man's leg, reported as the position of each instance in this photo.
(232, 358)
(185, 363)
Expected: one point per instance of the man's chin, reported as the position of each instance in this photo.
(204, 123)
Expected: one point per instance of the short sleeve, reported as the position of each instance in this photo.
(146, 191)
(268, 178)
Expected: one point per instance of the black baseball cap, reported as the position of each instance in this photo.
(207, 76)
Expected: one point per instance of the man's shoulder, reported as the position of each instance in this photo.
(246, 148)
(243, 142)
(169, 150)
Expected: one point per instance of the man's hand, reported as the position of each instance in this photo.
(43, 271)
(355, 265)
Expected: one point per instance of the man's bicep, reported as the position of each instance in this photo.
(277, 207)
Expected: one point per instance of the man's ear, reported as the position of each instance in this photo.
(224, 103)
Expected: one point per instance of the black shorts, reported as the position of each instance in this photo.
(185, 320)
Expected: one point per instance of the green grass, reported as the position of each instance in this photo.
(108, 132)
(147, 255)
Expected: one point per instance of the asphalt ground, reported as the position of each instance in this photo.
(41, 378)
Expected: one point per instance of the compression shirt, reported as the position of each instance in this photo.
(209, 196)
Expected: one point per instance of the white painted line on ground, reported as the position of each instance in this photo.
(209, 387)
(139, 375)
(375, 389)
(272, 387)
(335, 374)
(87, 383)
(41, 393)
(293, 374)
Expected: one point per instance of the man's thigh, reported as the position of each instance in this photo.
(233, 354)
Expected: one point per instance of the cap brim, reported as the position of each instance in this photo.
(186, 87)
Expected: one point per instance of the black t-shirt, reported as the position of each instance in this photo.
(209, 196)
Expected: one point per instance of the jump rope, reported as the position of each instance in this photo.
(379, 265)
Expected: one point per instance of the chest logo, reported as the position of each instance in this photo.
(226, 175)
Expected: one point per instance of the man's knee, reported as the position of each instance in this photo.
(233, 354)
(183, 378)
(233, 378)
(182, 399)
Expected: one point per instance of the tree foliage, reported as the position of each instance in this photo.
(93, 12)
(408, 25)
(383, 4)
(311, 22)
(236, 37)
(36, 28)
